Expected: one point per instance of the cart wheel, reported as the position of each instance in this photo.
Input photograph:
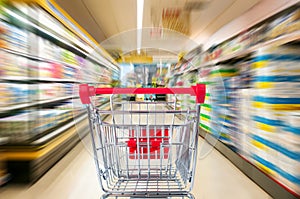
(190, 196)
(104, 196)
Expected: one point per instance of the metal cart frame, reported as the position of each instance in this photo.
(144, 152)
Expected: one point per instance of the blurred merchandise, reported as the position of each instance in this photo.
(56, 70)
(25, 126)
(12, 93)
(223, 102)
(254, 109)
(12, 65)
(101, 100)
(285, 24)
(261, 91)
(275, 111)
(13, 38)
(42, 62)
(53, 90)
(206, 109)
(188, 102)
(252, 103)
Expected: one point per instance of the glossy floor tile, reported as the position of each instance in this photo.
(74, 177)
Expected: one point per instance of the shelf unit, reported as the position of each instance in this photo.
(277, 180)
(29, 23)
(33, 57)
(46, 79)
(281, 40)
(26, 164)
(58, 131)
(68, 55)
(270, 185)
(26, 105)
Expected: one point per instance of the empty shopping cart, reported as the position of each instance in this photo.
(143, 150)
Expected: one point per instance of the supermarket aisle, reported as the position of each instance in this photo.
(74, 177)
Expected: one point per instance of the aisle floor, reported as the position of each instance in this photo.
(74, 177)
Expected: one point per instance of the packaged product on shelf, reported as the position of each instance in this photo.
(81, 61)
(54, 90)
(24, 126)
(236, 45)
(292, 118)
(100, 100)
(47, 91)
(245, 95)
(283, 163)
(244, 39)
(12, 65)
(56, 70)
(275, 107)
(17, 127)
(18, 67)
(188, 80)
(206, 111)
(12, 93)
(14, 38)
(294, 25)
(45, 69)
(75, 106)
(222, 71)
(285, 24)
(46, 49)
(258, 34)
(3, 31)
(69, 72)
(196, 61)
(68, 57)
(45, 120)
(68, 89)
(184, 66)
(223, 102)
(49, 118)
(57, 51)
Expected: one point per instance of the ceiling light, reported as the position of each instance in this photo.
(140, 10)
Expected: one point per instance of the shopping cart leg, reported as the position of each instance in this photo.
(104, 196)
(190, 196)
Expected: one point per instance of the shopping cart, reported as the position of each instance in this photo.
(144, 150)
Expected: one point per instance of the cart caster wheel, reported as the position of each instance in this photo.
(104, 196)
(190, 196)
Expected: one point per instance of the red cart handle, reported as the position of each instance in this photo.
(86, 91)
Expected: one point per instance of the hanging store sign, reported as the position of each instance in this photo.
(176, 19)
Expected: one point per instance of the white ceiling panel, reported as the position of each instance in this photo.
(77, 10)
(113, 22)
(201, 19)
(234, 10)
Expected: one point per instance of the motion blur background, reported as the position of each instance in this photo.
(246, 52)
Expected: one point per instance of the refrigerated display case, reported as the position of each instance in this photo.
(45, 55)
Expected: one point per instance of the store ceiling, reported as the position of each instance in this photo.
(189, 22)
